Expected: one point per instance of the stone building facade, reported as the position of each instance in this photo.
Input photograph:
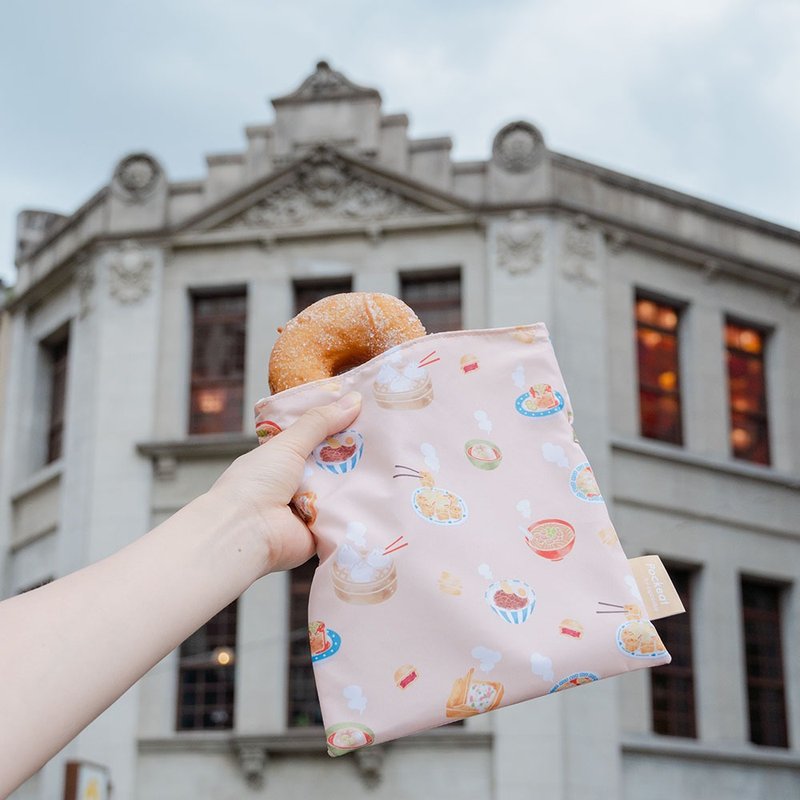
(676, 324)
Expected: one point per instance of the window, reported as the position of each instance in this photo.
(218, 338)
(747, 392)
(672, 685)
(659, 372)
(308, 292)
(57, 362)
(303, 706)
(764, 663)
(206, 675)
(435, 298)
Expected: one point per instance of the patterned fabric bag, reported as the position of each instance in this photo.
(466, 556)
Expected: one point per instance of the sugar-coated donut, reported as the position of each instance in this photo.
(338, 333)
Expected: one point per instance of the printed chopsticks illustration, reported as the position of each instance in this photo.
(622, 609)
(394, 546)
(424, 362)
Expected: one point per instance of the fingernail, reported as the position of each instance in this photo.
(350, 400)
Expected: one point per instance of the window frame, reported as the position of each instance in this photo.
(433, 275)
(675, 671)
(781, 590)
(298, 590)
(195, 295)
(680, 308)
(766, 332)
(340, 284)
(198, 664)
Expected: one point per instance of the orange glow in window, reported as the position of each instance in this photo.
(667, 381)
(211, 401)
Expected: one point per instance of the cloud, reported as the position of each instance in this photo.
(542, 666)
(488, 658)
(555, 454)
(355, 698)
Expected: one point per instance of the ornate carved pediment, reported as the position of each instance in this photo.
(325, 188)
(326, 83)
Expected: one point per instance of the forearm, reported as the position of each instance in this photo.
(88, 637)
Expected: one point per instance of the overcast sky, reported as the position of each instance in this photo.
(699, 95)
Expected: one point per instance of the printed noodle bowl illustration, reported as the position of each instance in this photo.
(552, 539)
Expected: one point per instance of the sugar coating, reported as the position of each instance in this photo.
(336, 334)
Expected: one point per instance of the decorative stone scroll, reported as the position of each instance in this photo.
(520, 244)
(580, 258)
(130, 272)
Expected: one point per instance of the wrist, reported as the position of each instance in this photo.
(235, 537)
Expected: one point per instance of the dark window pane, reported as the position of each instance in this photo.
(659, 376)
(57, 354)
(303, 705)
(206, 689)
(747, 389)
(218, 363)
(308, 292)
(764, 663)
(435, 298)
(673, 684)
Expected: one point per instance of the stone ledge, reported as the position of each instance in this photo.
(47, 474)
(253, 752)
(679, 455)
(667, 747)
(167, 454)
(310, 741)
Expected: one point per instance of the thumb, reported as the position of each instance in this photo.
(303, 436)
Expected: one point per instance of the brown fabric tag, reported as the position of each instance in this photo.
(658, 593)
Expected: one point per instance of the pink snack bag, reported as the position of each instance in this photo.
(466, 557)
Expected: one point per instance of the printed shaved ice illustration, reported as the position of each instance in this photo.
(511, 599)
(341, 453)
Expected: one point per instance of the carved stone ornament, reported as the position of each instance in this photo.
(323, 84)
(520, 244)
(137, 176)
(518, 147)
(84, 280)
(253, 760)
(130, 273)
(580, 254)
(325, 189)
(369, 762)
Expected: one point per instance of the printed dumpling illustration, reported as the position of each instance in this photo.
(402, 385)
(363, 576)
(347, 736)
(469, 696)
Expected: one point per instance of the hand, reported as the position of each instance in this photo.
(262, 482)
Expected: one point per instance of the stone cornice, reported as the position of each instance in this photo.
(674, 197)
